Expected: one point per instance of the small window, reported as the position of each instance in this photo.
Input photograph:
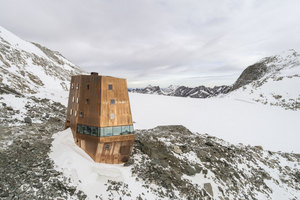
(106, 146)
(112, 116)
(87, 86)
(70, 111)
(87, 101)
(112, 101)
(110, 87)
(81, 114)
(72, 85)
(73, 99)
(75, 113)
(77, 100)
(77, 86)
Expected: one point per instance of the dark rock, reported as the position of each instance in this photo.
(209, 144)
(28, 120)
(251, 73)
(208, 188)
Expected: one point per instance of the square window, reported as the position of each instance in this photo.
(110, 87)
(112, 116)
(112, 101)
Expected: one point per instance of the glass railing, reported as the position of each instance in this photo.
(105, 131)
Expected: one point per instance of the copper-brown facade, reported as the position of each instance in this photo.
(100, 117)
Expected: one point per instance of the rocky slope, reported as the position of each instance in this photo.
(31, 69)
(26, 171)
(34, 85)
(203, 167)
(183, 91)
(274, 80)
(30, 72)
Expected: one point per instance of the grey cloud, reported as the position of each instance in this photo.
(159, 41)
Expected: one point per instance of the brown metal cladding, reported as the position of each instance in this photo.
(92, 103)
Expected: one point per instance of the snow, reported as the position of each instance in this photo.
(234, 120)
(20, 44)
(91, 177)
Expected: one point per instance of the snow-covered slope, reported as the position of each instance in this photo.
(30, 76)
(273, 80)
(31, 69)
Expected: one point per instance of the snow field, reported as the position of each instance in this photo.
(234, 120)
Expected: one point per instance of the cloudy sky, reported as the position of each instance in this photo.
(159, 42)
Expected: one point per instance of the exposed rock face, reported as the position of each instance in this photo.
(273, 80)
(209, 168)
(250, 74)
(200, 92)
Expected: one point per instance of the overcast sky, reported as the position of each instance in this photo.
(159, 42)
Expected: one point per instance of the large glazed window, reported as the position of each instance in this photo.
(94, 131)
(117, 130)
(105, 131)
(80, 128)
(125, 130)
